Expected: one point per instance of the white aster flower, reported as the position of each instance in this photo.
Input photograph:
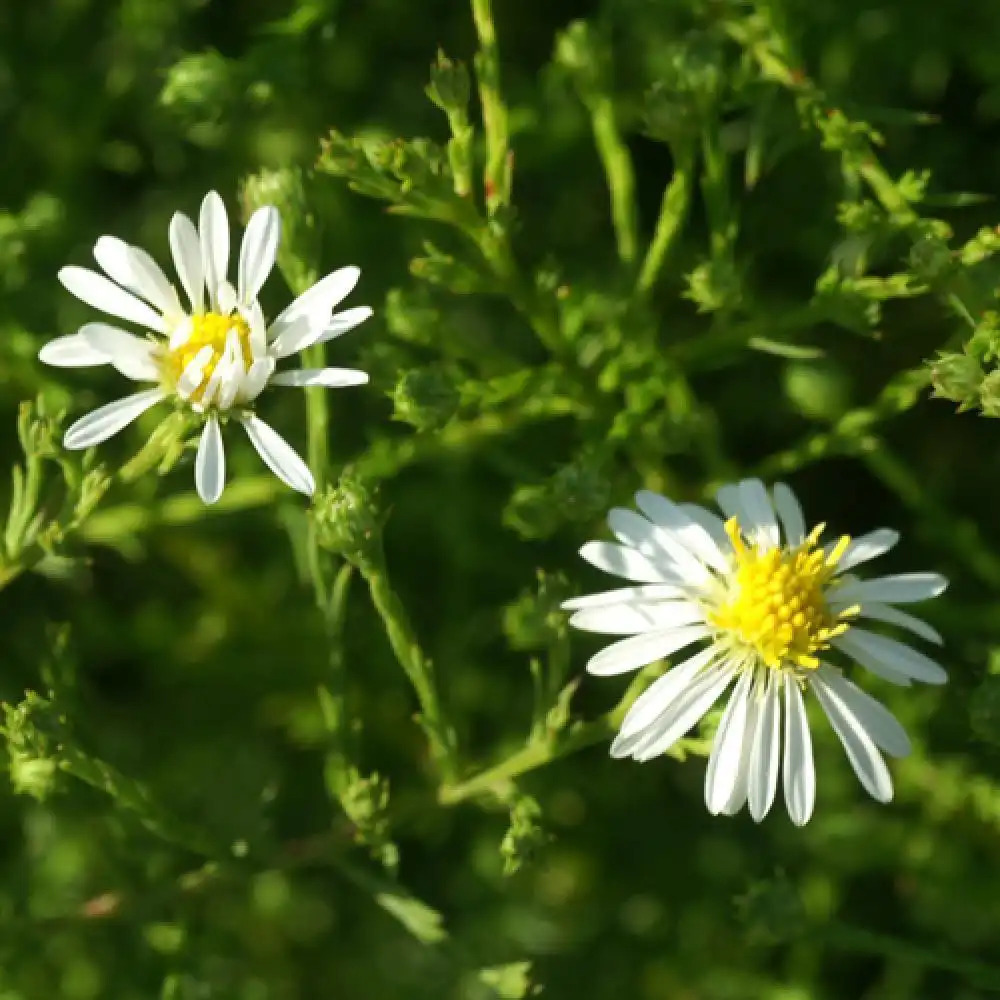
(769, 606)
(215, 355)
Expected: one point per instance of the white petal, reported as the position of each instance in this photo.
(628, 619)
(893, 616)
(657, 698)
(738, 798)
(749, 503)
(258, 250)
(789, 510)
(866, 547)
(194, 372)
(151, 283)
(766, 753)
(712, 523)
(258, 330)
(71, 352)
(650, 592)
(344, 322)
(133, 356)
(887, 657)
(798, 768)
(901, 588)
(638, 650)
(332, 378)
(861, 751)
(225, 296)
(255, 380)
(186, 250)
(210, 463)
(213, 235)
(232, 372)
(111, 254)
(627, 563)
(686, 712)
(656, 543)
(692, 535)
(309, 315)
(880, 724)
(724, 762)
(279, 456)
(108, 420)
(99, 292)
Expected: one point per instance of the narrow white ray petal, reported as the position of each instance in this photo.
(258, 330)
(712, 523)
(111, 254)
(761, 521)
(99, 292)
(638, 650)
(656, 543)
(210, 462)
(233, 371)
(71, 351)
(109, 419)
(225, 296)
(798, 768)
(627, 563)
(738, 799)
(650, 592)
(309, 314)
(901, 588)
(893, 616)
(879, 653)
(279, 456)
(865, 547)
(341, 323)
(862, 753)
(724, 762)
(256, 379)
(332, 378)
(257, 251)
(880, 724)
(765, 755)
(152, 284)
(628, 619)
(692, 535)
(133, 356)
(194, 372)
(786, 503)
(658, 697)
(688, 711)
(185, 248)
(213, 236)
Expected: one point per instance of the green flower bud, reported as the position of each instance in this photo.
(32, 729)
(200, 87)
(536, 618)
(931, 258)
(958, 377)
(989, 394)
(714, 285)
(580, 53)
(298, 253)
(347, 518)
(449, 88)
(426, 398)
(524, 836)
(578, 492)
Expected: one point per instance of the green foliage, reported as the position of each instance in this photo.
(278, 749)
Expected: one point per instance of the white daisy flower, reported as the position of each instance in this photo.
(216, 354)
(768, 606)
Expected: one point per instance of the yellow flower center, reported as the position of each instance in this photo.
(776, 603)
(207, 330)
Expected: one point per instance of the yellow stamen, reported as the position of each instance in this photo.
(777, 604)
(207, 330)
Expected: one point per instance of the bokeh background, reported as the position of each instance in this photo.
(196, 645)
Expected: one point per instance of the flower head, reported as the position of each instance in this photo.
(770, 608)
(217, 353)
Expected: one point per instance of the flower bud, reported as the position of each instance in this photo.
(347, 519)
(958, 377)
(426, 398)
(449, 88)
(199, 87)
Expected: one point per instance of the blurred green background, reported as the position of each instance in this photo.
(197, 648)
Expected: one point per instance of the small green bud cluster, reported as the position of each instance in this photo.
(346, 518)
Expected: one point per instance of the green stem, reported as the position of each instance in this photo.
(317, 417)
(618, 169)
(857, 939)
(673, 212)
(494, 110)
(416, 665)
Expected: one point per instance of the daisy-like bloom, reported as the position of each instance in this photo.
(216, 354)
(769, 607)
